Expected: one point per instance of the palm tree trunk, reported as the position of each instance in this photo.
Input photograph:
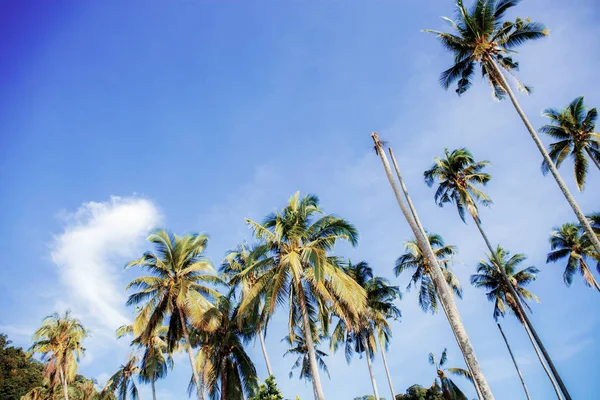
(561, 184)
(310, 347)
(191, 356)
(153, 388)
(370, 365)
(521, 311)
(592, 157)
(587, 274)
(224, 382)
(515, 363)
(387, 371)
(264, 350)
(537, 352)
(442, 290)
(63, 382)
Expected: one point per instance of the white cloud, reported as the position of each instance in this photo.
(97, 240)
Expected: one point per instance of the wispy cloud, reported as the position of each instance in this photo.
(97, 239)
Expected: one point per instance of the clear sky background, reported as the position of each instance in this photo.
(117, 117)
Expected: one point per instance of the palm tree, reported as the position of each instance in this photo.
(569, 242)
(299, 348)
(155, 360)
(123, 382)
(483, 37)
(450, 390)
(488, 277)
(177, 291)
(458, 174)
(442, 290)
(235, 262)
(361, 337)
(574, 128)
(595, 221)
(227, 369)
(299, 269)
(59, 340)
(414, 259)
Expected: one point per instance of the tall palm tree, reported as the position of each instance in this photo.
(450, 390)
(155, 360)
(234, 263)
(457, 175)
(443, 292)
(574, 129)
(414, 259)
(228, 371)
(299, 269)
(569, 242)
(483, 37)
(123, 381)
(488, 277)
(59, 340)
(362, 336)
(178, 291)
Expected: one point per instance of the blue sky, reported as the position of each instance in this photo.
(119, 117)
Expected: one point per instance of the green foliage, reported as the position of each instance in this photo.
(368, 397)
(19, 373)
(268, 391)
(418, 392)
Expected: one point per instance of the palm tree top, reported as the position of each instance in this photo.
(489, 277)
(458, 173)
(481, 35)
(574, 130)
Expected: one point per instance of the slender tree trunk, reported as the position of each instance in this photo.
(548, 372)
(420, 226)
(592, 157)
(521, 311)
(310, 347)
(515, 363)
(224, 378)
(561, 184)
(387, 371)
(442, 290)
(370, 365)
(191, 356)
(264, 350)
(153, 388)
(63, 382)
(587, 274)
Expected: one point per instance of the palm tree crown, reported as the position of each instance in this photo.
(483, 37)
(457, 174)
(450, 390)
(298, 348)
(574, 129)
(568, 241)
(413, 259)
(59, 340)
(490, 278)
(123, 382)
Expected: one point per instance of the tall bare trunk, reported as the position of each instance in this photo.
(264, 350)
(63, 382)
(153, 388)
(515, 363)
(224, 383)
(188, 346)
(548, 372)
(442, 290)
(561, 184)
(370, 365)
(310, 347)
(592, 157)
(563, 187)
(387, 371)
